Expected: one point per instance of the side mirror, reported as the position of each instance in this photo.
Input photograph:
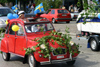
(15, 28)
(58, 30)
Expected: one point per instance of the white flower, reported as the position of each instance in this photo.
(43, 46)
(71, 42)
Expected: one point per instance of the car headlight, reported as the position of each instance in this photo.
(43, 46)
(72, 43)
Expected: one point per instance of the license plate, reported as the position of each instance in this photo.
(64, 15)
(60, 57)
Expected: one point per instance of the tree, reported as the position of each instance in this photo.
(47, 4)
(91, 9)
(3, 1)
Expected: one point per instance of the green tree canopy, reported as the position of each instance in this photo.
(47, 4)
(3, 1)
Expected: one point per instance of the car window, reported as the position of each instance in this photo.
(53, 12)
(11, 31)
(4, 12)
(20, 32)
(38, 27)
(48, 11)
(7, 28)
(62, 11)
(49, 27)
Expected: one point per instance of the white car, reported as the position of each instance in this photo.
(3, 16)
(74, 15)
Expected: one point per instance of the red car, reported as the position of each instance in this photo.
(56, 15)
(15, 42)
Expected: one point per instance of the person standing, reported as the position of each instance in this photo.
(76, 9)
(22, 17)
(71, 8)
(1, 5)
(63, 7)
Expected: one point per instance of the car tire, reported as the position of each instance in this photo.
(71, 62)
(94, 45)
(53, 21)
(6, 56)
(67, 21)
(32, 62)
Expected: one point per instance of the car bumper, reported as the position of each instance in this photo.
(63, 19)
(57, 61)
(3, 25)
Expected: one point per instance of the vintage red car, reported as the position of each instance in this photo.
(56, 15)
(15, 42)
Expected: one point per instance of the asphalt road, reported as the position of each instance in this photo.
(86, 58)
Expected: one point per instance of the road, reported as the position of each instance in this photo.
(86, 58)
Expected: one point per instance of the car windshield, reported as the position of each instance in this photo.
(4, 12)
(38, 27)
(62, 11)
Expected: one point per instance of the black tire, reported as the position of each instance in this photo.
(71, 62)
(53, 21)
(94, 45)
(67, 21)
(6, 56)
(33, 63)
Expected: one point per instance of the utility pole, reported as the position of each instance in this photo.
(63, 2)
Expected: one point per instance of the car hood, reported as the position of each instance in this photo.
(54, 45)
(36, 35)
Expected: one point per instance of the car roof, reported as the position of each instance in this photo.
(57, 9)
(4, 8)
(22, 22)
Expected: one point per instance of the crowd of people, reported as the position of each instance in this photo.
(30, 7)
(73, 8)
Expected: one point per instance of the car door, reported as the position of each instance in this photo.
(47, 14)
(52, 15)
(11, 38)
(20, 41)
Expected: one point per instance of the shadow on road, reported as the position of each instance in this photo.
(81, 61)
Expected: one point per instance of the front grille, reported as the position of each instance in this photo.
(57, 52)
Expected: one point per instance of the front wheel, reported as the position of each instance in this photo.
(32, 62)
(6, 56)
(71, 62)
(94, 45)
(53, 21)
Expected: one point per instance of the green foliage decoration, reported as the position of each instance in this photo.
(53, 38)
(91, 10)
(2, 30)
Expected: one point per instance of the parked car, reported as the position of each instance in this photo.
(55, 15)
(31, 16)
(15, 42)
(3, 15)
(74, 15)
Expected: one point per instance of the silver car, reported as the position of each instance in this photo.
(3, 16)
